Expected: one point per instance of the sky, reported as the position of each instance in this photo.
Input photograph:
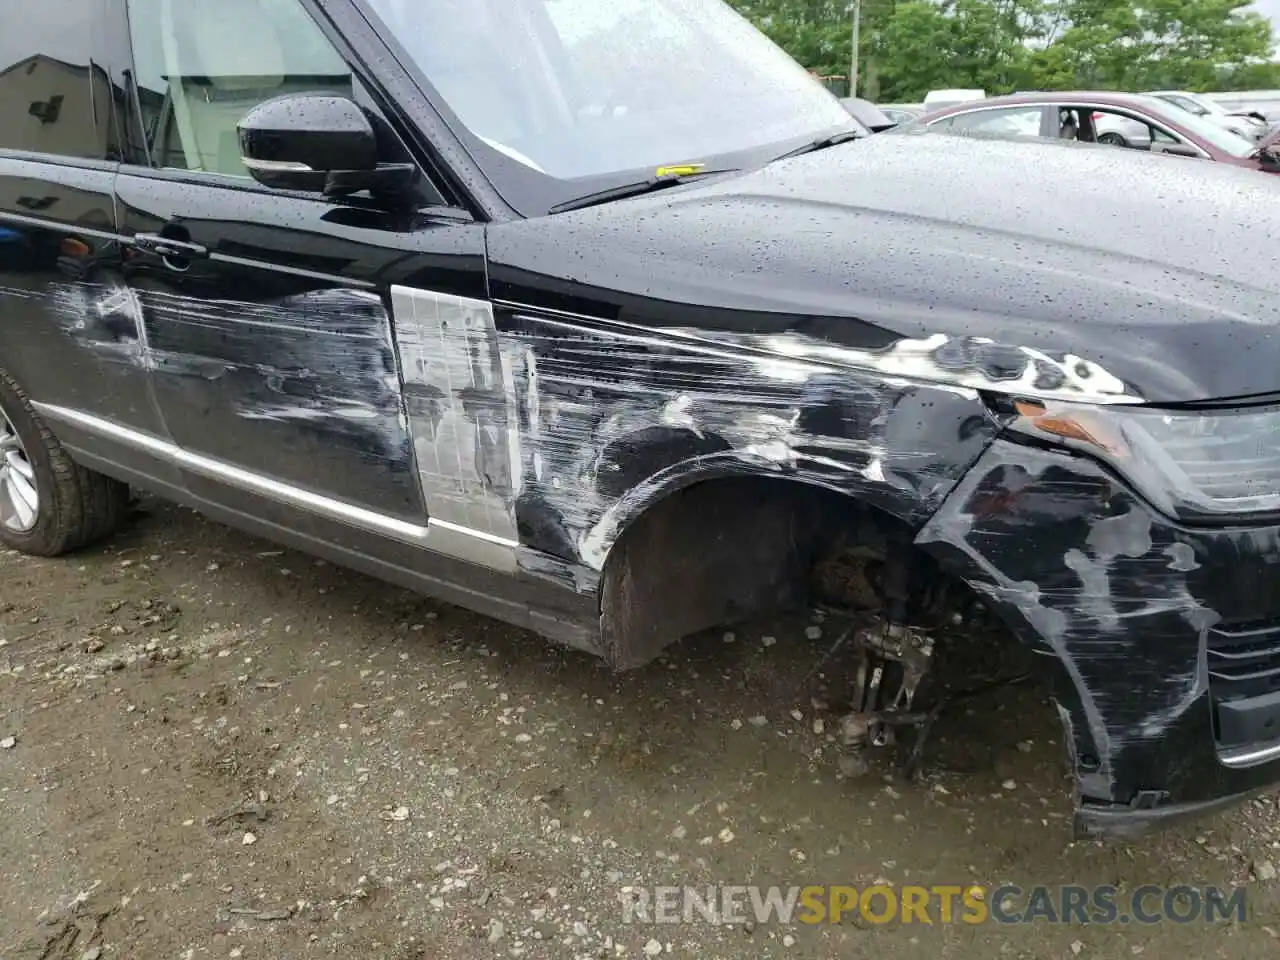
(1269, 8)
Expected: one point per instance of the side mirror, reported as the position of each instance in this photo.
(318, 143)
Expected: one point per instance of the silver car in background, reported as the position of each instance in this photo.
(1242, 123)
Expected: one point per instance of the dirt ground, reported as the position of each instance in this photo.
(220, 749)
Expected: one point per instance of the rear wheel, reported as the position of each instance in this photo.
(49, 505)
(1113, 139)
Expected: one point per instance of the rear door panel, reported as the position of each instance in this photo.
(69, 331)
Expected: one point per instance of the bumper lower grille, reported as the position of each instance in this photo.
(1244, 661)
(1244, 680)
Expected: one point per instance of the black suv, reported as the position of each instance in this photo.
(609, 321)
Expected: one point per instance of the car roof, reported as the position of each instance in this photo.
(1066, 96)
(1152, 106)
(1105, 98)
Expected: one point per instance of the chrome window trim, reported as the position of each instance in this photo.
(276, 166)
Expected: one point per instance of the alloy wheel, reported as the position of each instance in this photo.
(19, 495)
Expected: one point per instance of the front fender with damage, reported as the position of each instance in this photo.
(614, 417)
(1121, 601)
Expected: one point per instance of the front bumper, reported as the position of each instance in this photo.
(1099, 821)
(1163, 641)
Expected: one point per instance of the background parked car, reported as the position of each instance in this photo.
(1129, 120)
(1265, 102)
(1251, 126)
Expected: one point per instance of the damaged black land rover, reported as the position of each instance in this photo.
(606, 320)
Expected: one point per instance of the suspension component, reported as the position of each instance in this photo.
(892, 661)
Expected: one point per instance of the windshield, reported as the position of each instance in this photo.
(557, 98)
(1223, 139)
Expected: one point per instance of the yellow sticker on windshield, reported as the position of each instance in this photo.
(680, 169)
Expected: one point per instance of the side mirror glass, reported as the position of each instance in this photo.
(319, 143)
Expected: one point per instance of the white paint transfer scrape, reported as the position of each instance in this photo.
(522, 426)
(967, 362)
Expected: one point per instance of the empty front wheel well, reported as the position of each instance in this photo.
(737, 548)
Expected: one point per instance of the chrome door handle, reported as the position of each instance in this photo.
(163, 246)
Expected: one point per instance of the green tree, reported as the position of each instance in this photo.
(818, 33)
(1249, 76)
(913, 52)
(1122, 44)
(908, 48)
(962, 43)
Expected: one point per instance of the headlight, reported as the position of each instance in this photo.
(1218, 464)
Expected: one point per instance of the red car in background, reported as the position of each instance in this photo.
(1125, 120)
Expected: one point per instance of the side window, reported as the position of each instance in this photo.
(1122, 130)
(47, 81)
(201, 65)
(1008, 122)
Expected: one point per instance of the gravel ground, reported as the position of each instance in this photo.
(213, 748)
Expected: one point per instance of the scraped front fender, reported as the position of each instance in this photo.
(1122, 604)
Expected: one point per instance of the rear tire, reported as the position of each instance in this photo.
(1113, 139)
(49, 504)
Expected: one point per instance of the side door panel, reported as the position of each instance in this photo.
(275, 353)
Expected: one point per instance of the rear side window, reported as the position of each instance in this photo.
(201, 65)
(48, 85)
(1007, 122)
